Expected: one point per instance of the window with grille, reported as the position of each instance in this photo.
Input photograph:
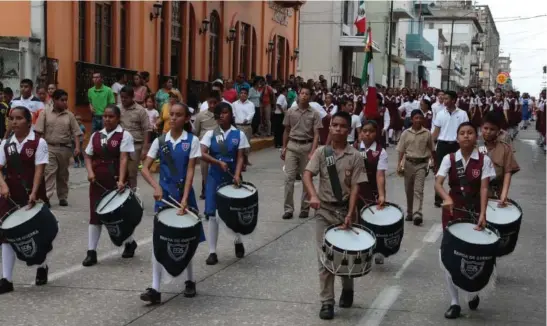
(214, 44)
(123, 33)
(176, 37)
(81, 30)
(244, 46)
(103, 33)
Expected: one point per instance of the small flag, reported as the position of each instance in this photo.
(361, 20)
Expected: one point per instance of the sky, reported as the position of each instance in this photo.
(523, 40)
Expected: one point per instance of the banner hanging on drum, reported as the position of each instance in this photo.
(238, 207)
(507, 221)
(387, 224)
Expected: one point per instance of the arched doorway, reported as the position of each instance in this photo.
(191, 42)
(214, 46)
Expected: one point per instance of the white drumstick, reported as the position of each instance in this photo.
(179, 207)
(175, 201)
(168, 203)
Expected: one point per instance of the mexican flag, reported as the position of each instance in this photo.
(367, 78)
(361, 20)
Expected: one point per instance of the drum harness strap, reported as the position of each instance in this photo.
(219, 136)
(107, 156)
(169, 160)
(460, 171)
(333, 175)
(15, 160)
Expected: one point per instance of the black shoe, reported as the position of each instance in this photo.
(47, 204)
(298, 177)
(453, 312)
(240, 250)
(90, 259)
(152, 296)
(438, 204)
(304, 214)
(379, 260)
(408, 217)
(474, 303)
(418, 220)
(346, 299)
(212, 259)
(41, 275)
(5, 286)
(326, 312)
(129, 250)
(287, 216)
(63, 202)
(190, 289)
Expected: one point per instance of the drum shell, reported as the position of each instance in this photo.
(174, 248)
(33, 240)
(337, 256)
(121, 222)
(239, 214)
(388, 237)
(509, 233)
(473, 264)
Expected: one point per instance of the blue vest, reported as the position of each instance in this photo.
(180, 154)
(231, 143)
(525, 105)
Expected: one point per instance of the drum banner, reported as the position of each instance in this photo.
(239, 214)
(174, 248)
(121, 222)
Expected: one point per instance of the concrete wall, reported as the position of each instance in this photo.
(435, 73)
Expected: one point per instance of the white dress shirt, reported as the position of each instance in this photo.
(204, 105)
(355, 123)
(382, 161)
(243, 142)
(449, 123)
(408, 107)
(195, 149)
(126, 146)
(282, 102)
(243, 112)
(488, 170)
(436, 108)
(40, 157)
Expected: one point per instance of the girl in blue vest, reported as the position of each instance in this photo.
(223, 148)
(184, 149)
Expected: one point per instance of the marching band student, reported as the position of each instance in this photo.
(23, 158)
(223, 149)
(327, 202)
(478, 170)
(502, 158)
(177, 153)
(410, 104)
(106, 160)
(416, 146)
(391, 102)
(382, 119)
(500, 107)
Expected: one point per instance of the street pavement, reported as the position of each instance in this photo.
(276, 282)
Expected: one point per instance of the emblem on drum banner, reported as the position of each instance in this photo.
(245, 217)
(185, 146)
(27, 248)
(476, 173)
(114, 143)
(392, 242)
(177, 251)
(471, 269)
(113, 230)
(29, 152)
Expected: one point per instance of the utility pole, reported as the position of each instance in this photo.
(450, 53)
(389, 51)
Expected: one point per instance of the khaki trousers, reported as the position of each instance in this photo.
(296, 159)
(324, 219)
(266, 124)
(133, 166)
(56, 171)
(414, 185)
(248, 131)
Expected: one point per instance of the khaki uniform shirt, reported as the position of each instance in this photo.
(205, 121)
(503, 160)
(350, 167)
(415, 144)
(302, 123)
(135, 120)
(57, 127)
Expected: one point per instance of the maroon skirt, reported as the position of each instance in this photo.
(324, 132)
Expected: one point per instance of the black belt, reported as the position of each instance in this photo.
(417, 160)
(298, 141)
(243, 124)
(447, 142)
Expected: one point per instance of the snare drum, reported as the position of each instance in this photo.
(120, 213)
(238, 207)
(30, 232)
(507, 221)
(175, 239)
(387, 225)
(469, 255)
(348, 253)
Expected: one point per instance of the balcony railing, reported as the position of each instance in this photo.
(397, 51)
(84, 74)
(419, 48)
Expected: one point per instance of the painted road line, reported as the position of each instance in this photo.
(434, 233)
(377, 311)
(407, 262)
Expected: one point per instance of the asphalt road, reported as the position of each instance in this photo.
(276, 282)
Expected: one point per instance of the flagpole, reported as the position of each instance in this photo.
(389, 51)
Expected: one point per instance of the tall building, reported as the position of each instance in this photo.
(490, 41)
(504, 64)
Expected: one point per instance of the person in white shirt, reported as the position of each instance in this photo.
(27, 100)
(278, 115)
(346, 105)
(314, 105)
(244, 111)
(445, 127)
(471, 196)
(438, 105)
(121, 80)
(407, 108)
(383, 120)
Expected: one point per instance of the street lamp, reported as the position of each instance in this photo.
(231, 35)
(204, 26)
(270, 47)
(156, 10)
(295, 55)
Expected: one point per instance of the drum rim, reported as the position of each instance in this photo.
(229, 183)
(471, 221)
(104, 195)
(15, 209)
(165, 207)
(353, 252)
(512, 203)
(386, 204)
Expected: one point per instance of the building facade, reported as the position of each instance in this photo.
(195, 42)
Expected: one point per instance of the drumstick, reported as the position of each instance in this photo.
(100, 185)
(348, 229)
(175, 201)
(197, 216)
(366, 201)
(240, 185)
(116, 194)
(168, 203)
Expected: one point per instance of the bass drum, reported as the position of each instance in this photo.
(507, 221)
(120, 213)
(30, 232)
(238, 207)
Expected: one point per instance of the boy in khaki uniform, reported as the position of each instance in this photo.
(416, 146)
(335, 201)
(300, 140)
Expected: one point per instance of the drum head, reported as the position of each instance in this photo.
(350, 241)
(502, 215)
(169, 217)
(20, 216)
(388, 216)
(230, 191)
(465, 232)
(114, 203)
